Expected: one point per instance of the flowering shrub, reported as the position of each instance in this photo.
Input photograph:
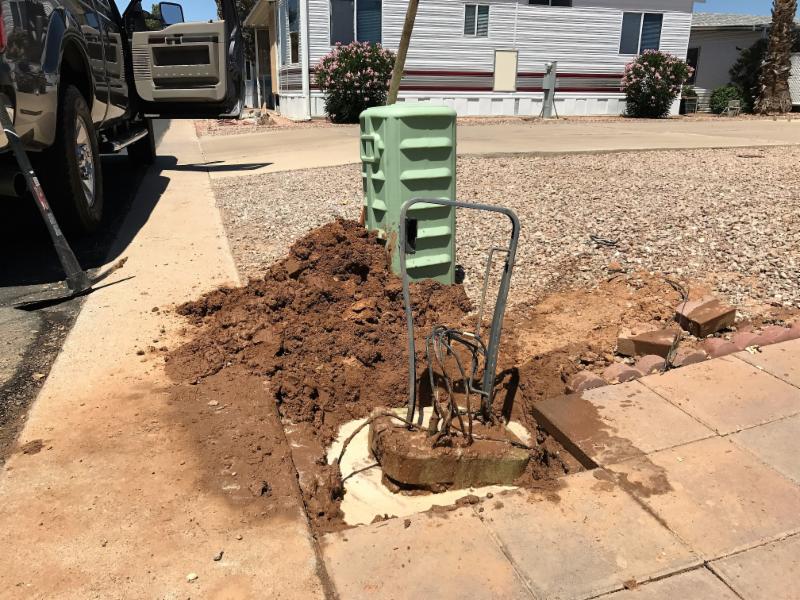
(354, 77)
(652, 82)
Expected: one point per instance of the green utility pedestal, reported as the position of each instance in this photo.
(409, 152)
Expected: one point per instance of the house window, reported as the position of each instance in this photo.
(356, 20)
(283, 33)
(640, 32)
(476, 20)
(551, 2)
(293, 8)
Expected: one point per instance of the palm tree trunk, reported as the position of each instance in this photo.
(775, 96)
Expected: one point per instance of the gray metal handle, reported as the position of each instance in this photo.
(499, 307)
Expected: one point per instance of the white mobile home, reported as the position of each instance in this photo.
(482, 57)
(715, 44)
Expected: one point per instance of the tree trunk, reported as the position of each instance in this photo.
(400, 59)
(775, 96)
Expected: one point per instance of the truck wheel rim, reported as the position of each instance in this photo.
(85, 160)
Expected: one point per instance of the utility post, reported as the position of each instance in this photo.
(400, 61)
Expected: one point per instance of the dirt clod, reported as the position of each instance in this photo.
(32, 447)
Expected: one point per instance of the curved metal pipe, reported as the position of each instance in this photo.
(500, 305)
(12, 184)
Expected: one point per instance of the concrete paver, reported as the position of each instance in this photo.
(618, 422)
(588, 538)
(770, 572)
(780, 360)
(450, 555)
(285, 149)
(715, 496)
(776, 443)
(727, 394)
(699, 584)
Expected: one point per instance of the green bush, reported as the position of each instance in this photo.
(652, 82)
(354, 77)
(721, 96)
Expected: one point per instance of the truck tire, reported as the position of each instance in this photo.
(72, 177)
(143, 152)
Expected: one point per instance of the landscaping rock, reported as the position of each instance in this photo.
(716, 347)
(651, 363)
(620, 373)
(585, 380)
(688, 356)
(794, 331)
(705, 316)
(635, 342)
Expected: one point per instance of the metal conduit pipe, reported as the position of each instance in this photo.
(12, 183)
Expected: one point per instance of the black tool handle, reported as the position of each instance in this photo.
(77, 280)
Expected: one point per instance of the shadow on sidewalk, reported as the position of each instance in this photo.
(27, 257)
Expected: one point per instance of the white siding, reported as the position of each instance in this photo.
(719, 50)
(794, 80)
(319, 29)
(583, 39)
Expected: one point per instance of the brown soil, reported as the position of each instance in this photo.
(576, 330)
(322, 337)
(320, 340)
(236, 428)
(325, 325)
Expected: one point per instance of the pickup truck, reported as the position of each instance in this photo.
(80, 79)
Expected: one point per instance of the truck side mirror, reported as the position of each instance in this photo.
(171, 13)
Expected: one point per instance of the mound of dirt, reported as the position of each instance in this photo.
(325, 330)
(325, 325)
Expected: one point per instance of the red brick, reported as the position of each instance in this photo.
(636, 342)
(620, 373)
(705, 316)
(651, 363)
(773, 334)
(585, 380)
(716, 347)
(744, 339)
(688, 356)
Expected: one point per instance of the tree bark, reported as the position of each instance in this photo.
(775, 96)
(400, 60)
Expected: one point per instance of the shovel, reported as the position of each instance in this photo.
(78, 281)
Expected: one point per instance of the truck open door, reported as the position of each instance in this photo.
(188, 70)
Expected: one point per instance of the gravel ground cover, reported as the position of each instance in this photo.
(729, 219)
(256, 124)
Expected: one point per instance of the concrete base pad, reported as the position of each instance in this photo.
(409, 458)
(365, 494)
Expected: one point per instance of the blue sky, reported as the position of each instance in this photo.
(747, 7)
(202, 10)
(193, 10)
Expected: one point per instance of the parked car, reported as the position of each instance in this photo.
(81, 79)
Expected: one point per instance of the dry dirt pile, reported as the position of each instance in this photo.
(325, 325)
(325, 330)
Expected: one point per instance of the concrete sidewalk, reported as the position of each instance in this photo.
(692, 491)
(105, 496)
(302, 148)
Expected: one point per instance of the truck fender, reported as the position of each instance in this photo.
(63, 37)
(63, 34)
